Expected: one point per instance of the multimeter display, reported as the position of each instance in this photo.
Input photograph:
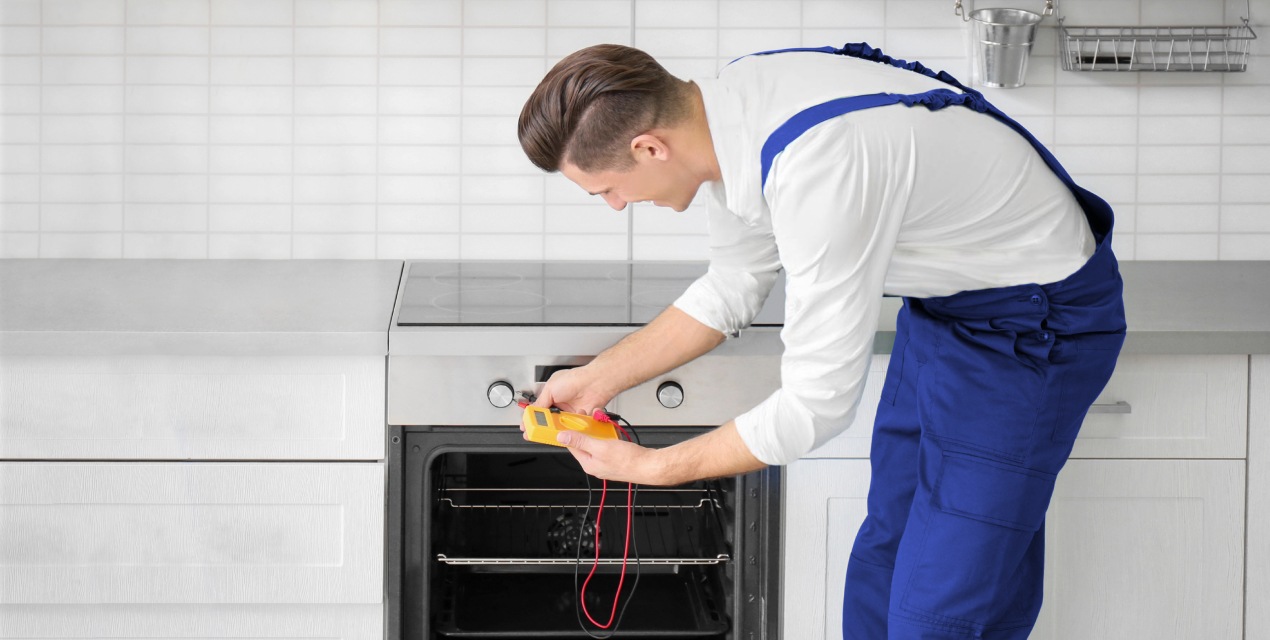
(542, 425)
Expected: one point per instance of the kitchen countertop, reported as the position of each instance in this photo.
(343, 307)
(1183, 307)
(1197, 307)
(196, 307)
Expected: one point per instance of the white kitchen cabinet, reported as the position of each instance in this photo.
(824, 507)
(1145, 537)
(194, 622)
(1145, 550)
(192, 407)
(1136, 549)
(1258, 567)
(1174, 406)
(205, 533)
(1193, 406)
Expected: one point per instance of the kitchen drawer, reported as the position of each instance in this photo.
(192, 407)
(177, 532)
(202, 622)
(1174, 406)
(1178, 407)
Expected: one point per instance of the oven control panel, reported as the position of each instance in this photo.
(482, 390)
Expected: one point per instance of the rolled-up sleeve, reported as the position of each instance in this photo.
(835, 226)
(743, 267)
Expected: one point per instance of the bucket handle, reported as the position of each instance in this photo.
(958, 10)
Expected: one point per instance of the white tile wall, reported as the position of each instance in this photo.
(387, 128)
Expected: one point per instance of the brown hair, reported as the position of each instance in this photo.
(593, 103)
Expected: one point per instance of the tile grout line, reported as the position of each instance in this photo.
(293, 125)
(39, 137)
(123, 141)
(379, 50)
(1221, 153)
(546, 49)
(630, 208)
(207, 221)
(1137, 157)
(462, 118)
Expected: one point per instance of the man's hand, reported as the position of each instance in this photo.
(575, 390)
(615, 459)
(715, 454)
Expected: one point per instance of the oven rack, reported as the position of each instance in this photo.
(722, 558)
(506, 528)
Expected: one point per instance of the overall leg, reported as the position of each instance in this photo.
(1000, 400)
(893, 459)
(970, 564)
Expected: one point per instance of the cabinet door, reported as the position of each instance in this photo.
(1136, 549)
(824, 507)
(169, 533)
(1145, 550)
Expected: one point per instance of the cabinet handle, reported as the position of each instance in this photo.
(1111, 407)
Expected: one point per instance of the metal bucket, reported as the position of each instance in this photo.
(1003, 39)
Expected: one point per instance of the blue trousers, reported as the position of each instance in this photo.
(980, 408)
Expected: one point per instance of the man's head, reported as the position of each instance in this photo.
(612, 120)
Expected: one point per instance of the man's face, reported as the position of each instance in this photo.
(646, 181)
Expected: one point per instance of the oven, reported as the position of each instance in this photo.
(491, 536)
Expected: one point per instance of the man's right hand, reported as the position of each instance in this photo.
(576, 390)
(670, 340)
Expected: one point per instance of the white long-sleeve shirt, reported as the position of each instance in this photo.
(895, 200)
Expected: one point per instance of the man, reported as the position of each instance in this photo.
(860, 175)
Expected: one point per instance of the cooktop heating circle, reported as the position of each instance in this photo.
(469, 279)
(490, 301)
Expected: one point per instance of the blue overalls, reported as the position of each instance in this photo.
(980, 408)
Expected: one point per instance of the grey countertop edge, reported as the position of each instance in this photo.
(162, 343)
(241, 308)
(501, 342)
(1174, 308)
(764, 341)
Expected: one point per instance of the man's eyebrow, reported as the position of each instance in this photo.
(597, 193)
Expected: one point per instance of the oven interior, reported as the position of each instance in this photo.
(507, 530)
(482, 542)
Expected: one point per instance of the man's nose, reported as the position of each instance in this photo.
(615, 202)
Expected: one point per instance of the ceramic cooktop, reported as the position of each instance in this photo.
(444, 293)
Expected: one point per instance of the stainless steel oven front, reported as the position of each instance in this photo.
(490, 536)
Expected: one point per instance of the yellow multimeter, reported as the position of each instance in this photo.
(542, 425)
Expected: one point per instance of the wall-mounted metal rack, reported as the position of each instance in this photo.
(1172, 48)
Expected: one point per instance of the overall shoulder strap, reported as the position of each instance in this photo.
(934, 100)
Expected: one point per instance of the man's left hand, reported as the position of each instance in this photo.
(615, 459)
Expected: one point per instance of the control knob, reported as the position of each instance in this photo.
(500, 394)
(670, 394)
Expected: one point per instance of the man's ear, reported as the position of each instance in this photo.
(647, 146)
